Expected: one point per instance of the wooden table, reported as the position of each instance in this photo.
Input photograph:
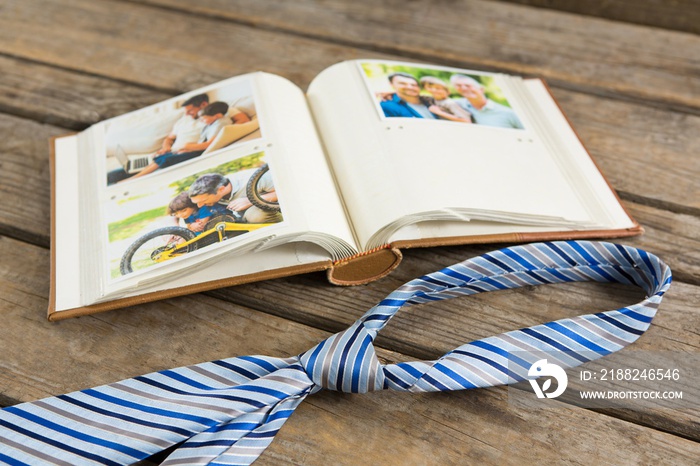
(632, 91)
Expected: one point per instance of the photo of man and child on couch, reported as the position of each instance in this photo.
(174, 132)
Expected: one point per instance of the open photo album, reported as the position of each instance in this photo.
(251, 178)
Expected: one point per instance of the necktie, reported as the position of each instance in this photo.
(226, 412)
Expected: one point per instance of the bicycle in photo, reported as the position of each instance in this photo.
(167, 243)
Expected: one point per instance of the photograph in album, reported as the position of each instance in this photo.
(196, 125)
(166, 221)
(404, 90)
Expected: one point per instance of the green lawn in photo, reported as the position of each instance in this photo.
(130, 226)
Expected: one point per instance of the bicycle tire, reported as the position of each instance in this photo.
(253, 193)
(126, 264)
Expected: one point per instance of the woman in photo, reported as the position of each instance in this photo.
(440, 104)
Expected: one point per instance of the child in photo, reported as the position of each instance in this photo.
(440, 104)
(214, 118)
(195, 218)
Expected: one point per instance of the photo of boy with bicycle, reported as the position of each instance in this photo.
(205, 208)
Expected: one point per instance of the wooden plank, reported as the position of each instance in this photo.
(24, 179)
(308, 299)
(150, 47)
(646, 153)
(132, 45)
(450, 429)
(672, 237)
(65, 98)
(582, 53)
(679, 15)
(41, 358)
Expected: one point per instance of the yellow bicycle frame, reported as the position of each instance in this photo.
(219, 229)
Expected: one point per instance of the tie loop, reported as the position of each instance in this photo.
(347, 360)
(228, 411)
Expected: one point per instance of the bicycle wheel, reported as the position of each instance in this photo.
(253, 192)
(147, 250)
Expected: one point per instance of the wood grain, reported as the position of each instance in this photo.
(574, 51)
(680, 15)
(672, 237)
(646, 153)
(165, 51)
(580, 53)
(66, 98)
(447, 429)
(330, 428)
(24, 178)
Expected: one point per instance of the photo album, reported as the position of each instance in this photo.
(251, 178)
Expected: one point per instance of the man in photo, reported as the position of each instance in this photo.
(484, 111)
(230, 192)
(213, 118)
(406, 102)
(186, 130)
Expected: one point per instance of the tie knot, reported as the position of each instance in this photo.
(345, 362)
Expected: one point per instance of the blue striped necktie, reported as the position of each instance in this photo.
(227, 412)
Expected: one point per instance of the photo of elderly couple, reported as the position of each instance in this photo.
(405, 91)
(176, 131)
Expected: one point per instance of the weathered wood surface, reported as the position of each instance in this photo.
(583, 53)
(579, 52)
(331, 428)
(67, 98)
(66, 65)
(681, 15)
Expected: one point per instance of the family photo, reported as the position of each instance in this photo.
(176, 131)
(209, 207)
(405, 91)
